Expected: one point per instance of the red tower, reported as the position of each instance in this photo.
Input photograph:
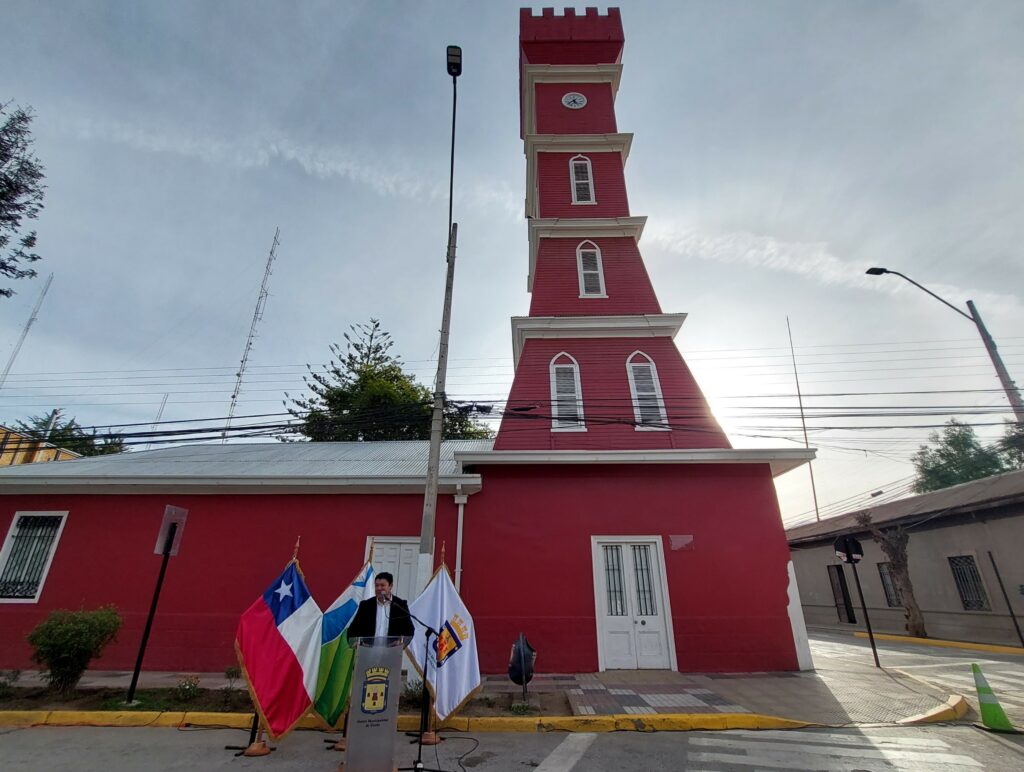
(596, 367)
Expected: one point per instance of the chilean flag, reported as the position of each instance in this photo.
(278, 646)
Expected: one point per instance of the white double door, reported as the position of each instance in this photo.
(398, 556)
(632, 613)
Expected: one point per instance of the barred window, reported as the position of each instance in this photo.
(645, 603)
(613, 579)
(968, 583)
(27, 553)
(893, 596)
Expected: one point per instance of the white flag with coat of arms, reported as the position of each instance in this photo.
(452, 666)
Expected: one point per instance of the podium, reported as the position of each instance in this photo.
(373, 704)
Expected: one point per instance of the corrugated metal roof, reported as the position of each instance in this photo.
(256, 461)
(987, 492)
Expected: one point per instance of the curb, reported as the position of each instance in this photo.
(622, 722)
(989, 647)
(954, 708)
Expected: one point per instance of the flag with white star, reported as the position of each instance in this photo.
(278, 647)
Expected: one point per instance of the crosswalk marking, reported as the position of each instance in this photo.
(797, 761)
(569, 751)
(817, 737)
(775, 749)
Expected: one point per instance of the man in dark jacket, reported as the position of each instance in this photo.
(383, 615)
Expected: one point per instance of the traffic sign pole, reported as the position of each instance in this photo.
(867, 619)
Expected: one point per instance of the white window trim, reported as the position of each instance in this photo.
(596, 542)
(991, 611)
(657, 390)
(582, 425)
(583, 245)
(590, 181)
(5, 551)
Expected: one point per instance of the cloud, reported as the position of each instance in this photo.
(321, 161)
(811, 260)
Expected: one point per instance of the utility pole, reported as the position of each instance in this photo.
(803, 421)
(1012, 394)
(24, 332)
(426, 555)
(257, 316)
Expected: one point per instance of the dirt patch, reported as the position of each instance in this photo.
(237, 701)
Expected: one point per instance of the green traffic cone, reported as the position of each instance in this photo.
(992, 715)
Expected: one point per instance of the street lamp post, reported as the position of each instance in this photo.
(1009, 386)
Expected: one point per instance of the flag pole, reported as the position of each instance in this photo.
(295, 552)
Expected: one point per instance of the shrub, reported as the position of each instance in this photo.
(7, 681)
(232, 674)
(411, 696)
(67, 641)
(187, 688)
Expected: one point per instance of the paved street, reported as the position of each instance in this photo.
(949, 669)
(919, 749)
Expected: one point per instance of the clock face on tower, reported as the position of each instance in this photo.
(574, 100)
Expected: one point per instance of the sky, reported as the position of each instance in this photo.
(781, 148)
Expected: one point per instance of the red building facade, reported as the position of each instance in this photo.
(610, 519)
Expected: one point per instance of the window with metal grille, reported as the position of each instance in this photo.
(566, 395)
(26, 555)
(588, 261)
(648, 404)
(645, 602)
(613, 580)
(582, 180)
(968, 583)
(893, 597)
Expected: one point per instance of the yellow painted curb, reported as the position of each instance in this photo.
(990, 647)
(955, 707)
(104, 717)
(23, 717)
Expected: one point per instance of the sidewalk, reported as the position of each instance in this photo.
(837, 693)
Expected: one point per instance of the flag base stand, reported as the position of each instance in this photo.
(338, 745)
(258, 748)
(431, 738)
(341, 767)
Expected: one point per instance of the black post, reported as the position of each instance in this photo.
(1006, 597)
(867, 619)
(152, 611)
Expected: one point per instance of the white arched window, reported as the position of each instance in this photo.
(581, 179)
(591, 270)
(566, 395)
(648, 403)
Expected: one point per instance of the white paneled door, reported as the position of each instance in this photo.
(398, 556)
(632, 617)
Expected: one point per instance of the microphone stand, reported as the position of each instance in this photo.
(417, 766)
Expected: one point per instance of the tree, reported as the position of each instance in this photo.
(1011, 446)
(69, 435)
(893, 542)
(363, 393)
(957, 456)
(21, 194)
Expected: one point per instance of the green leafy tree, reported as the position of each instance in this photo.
(364, 393)
(21, 194)
(67, 434)
(956, 456)
(1011, 446)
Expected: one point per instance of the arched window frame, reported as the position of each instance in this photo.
(557, 424)
(592, 199)
(590, 246)
(641, 426)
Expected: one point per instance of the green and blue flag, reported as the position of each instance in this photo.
(337, 658)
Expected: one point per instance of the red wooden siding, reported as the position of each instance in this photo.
(607, 400)
(728, 590)
(232, 548)
(556, 286)
(598, 117)
(553, 183)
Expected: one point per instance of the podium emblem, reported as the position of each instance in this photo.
(375, 690)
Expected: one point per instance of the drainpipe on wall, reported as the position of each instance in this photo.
(460, 499)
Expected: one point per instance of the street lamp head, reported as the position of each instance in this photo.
(876, 271)
(454, 61)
